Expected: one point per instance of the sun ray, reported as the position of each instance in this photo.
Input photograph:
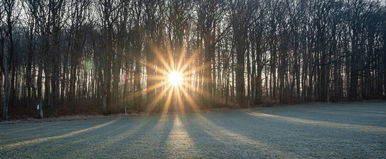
(191, 102)
(196, 69)
(162, 60)
(188, 62)
(175, 76)
(155, 68)
(158, 98)
(169, 53)
(167, 102)
(153, 87)
(200, 91)
(204, 78)
(157, 78)
(181, 58)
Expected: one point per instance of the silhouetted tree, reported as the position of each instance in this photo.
(104, 55)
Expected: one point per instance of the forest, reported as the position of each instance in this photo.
(111, 56)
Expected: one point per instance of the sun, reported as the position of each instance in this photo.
(171, 83)
(175, 78)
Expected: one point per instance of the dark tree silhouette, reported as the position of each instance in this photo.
(106, 56)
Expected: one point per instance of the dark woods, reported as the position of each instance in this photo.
(82, 56)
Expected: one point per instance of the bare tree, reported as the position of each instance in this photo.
(101, 55)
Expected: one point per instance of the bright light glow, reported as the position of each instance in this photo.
(175, 78)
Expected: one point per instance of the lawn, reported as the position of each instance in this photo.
(353, 130)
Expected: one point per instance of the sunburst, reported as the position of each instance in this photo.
(174, 81)
(175, 78)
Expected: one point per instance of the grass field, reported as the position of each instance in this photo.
(355, 130)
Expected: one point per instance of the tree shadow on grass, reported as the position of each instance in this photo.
(348, 114)
(179, 143)
(300, 136)
(145, 142)
(82, 144)
(21, 133)
(226, 143)
(206, 145)
(50, 129)
(55, 137)
(336, 125)
(103, 141)
(24, 127)
(47, 146)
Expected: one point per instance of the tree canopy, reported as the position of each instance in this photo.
(106, 55)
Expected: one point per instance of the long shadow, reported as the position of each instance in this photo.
(37, 132)
(147, 141)
(270, 133)
(19, 134)
(370, 107)
(92, 144)
(155, 141)
(327, 114)
(373, 108)
(350, 114)
(355, 109)
(20, 128)
(205, 143)
(60, 127)
(298, 137)
(105, 141)
(179, 143)
(145, 138)
(354, 127)
(166, 129)
(236, 143)
(279, 125)
(50, 138)
(64, 148)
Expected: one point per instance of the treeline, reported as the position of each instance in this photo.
(101, 54)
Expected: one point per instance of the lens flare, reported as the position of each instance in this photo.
(175, 78)
(173, 83)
